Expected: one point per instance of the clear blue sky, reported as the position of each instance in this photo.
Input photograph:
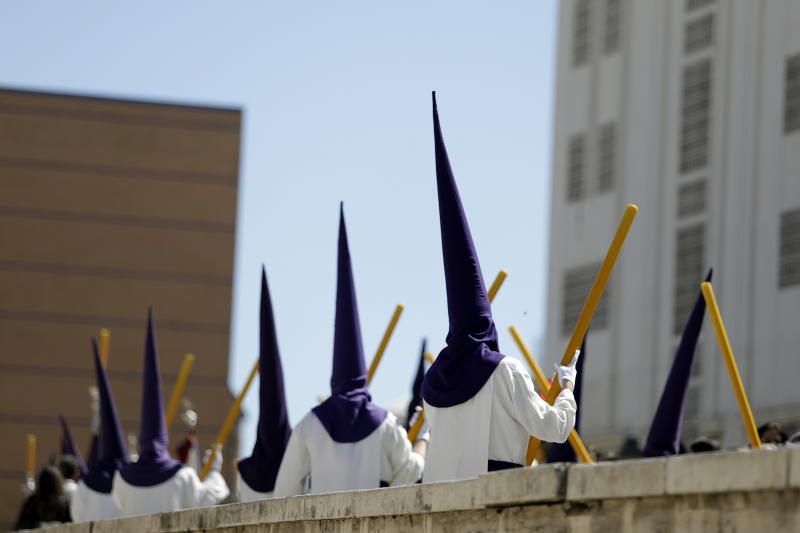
(336, 101)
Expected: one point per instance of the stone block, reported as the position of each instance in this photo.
(619, 479)
(727, 471)
(546, 483)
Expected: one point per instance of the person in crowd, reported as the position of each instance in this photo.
(258, 472)
(47, 505)
(347, 442)
(481, 405)
(157, 483)
(704, 444)
(772, 433)
(70, 471)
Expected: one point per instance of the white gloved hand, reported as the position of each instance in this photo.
(217, 466)
(568, 372)
(425, 430)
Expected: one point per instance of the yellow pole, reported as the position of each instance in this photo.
(590, 306)
(730, 363)
(105, 341)
(497, 283)
(384, 341)
(574, 439)
(227, 426)
(413, 431)
(30, 466)
(180, 386)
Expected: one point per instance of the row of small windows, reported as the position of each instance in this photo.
(791, 105)
(582, 29)
(577, 183)
(689, 272)
(691, 5)
(699, 34)
(692, 198)
(695, 116)
(576, 285)
(789, 264)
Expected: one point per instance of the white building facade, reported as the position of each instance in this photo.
(691, 110)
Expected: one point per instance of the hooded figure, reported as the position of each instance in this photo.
(92, 500)
(71, 463)
(416, 387)
(481, 405)
(157, 483)
(347, 442)
(664, 438)
(563, 452)
(257, 473)
(68, 446)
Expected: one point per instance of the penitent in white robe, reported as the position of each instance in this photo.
(184, 490)
(88, 505)
(246, 494)
(384, 455)
(494, 424)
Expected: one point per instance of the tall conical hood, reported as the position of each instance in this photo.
(68, 445)
(112, 448)
(261, 468)
(664, 438)
(416, 387)
(155, 464)
(349, 414)
(563, 452)
(471, 354)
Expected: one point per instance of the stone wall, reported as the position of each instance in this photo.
(739, 491)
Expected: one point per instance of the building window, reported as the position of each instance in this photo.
(691, 5)
(575, 167)
(580, 33)
(613, 20)
(790, 249)
(608, 148)
(689, 261)
(577, 283)
(791, 104)
(699, 34)
(695, 116)
(692, 198)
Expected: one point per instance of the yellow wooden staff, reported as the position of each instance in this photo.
(227, 426)
(730, 363)
(384, 341)
(30, 465)
(180, 386)
(105, 342)
(574, 439)
(589, 308)
(413, 431)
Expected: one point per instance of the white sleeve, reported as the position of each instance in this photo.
(212, 490)
(296, 464)
(550, 423)
(76, 505)
(406, 465)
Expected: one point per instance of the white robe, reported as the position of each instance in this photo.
(246, 494)
(494, 424)
(69, 487)
(88, 505)
(184, 490)
(385, 454)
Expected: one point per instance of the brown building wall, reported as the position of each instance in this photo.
(107, 207)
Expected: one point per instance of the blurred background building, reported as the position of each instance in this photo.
(690, 109)
(106, 207)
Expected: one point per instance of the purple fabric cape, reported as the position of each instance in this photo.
(349, 414)
(472, 352)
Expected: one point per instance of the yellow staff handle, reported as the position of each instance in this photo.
(574, 439)
(105, 342)
(730, 363)
(180, 386)
(384, 341)
(30, 466)
(227, 426)
(590, 305)
(413, 431)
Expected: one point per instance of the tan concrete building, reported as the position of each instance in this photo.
(106, 207)
(690, 109)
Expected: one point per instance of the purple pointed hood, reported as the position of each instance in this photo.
(112, 448)
(155, 465)
(261, 468)
(471, 354)
(349, 414)
(664, 438)
(68, 445)
(563, 452)
(416, 387)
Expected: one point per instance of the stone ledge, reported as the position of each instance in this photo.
(744, 470)
(622, 479)
(547, 483)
